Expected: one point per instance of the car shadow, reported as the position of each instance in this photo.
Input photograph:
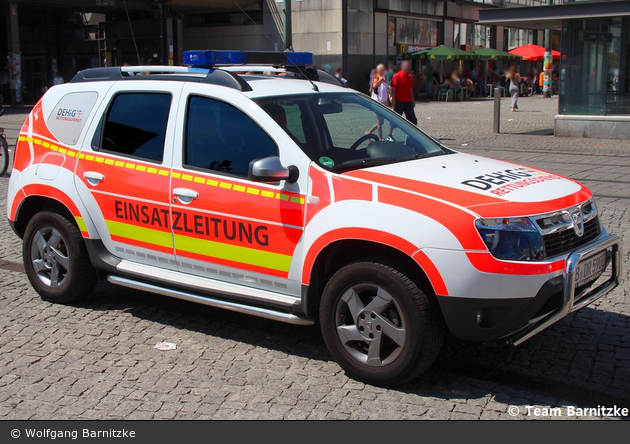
(583, 359)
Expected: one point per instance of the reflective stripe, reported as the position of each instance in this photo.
(161, 238)
(81, 223)
(236, 253)
(219, 250)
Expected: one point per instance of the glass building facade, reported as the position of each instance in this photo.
(595, 66)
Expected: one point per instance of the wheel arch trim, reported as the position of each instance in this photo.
(376, 237)
(51, 193)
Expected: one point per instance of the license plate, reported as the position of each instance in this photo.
(590, 268)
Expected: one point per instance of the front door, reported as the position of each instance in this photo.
(226, 227)
(124, 170)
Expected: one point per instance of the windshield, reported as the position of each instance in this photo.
(343, 131)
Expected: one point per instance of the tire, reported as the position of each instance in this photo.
(378, 325)
(55, 258)
(4, 156)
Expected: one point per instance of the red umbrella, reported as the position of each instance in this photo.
(533, 53)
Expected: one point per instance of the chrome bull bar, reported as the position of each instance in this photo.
(569, 304)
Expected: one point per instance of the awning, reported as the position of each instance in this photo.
(551, 16)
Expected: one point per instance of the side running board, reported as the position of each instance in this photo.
(266, 313)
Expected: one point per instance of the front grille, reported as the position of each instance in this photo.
(564, 241)
(552, 304)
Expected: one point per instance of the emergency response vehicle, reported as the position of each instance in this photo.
(249, 182)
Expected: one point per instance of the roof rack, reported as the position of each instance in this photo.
(217, 68)
(176, 73)
(296, 73)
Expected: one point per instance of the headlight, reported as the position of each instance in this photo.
(515, 239)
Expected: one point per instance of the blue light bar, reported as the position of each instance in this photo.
(210, 58)
(299, 58)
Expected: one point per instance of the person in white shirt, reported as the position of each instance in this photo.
(379, 91)
(57, 79)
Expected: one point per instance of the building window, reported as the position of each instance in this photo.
(414, 32)
(595, 68)
(468, 36)
(513, 38)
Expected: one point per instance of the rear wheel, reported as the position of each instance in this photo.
(56, 260)
(378, 324)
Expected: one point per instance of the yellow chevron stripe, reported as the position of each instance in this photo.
(162, 172)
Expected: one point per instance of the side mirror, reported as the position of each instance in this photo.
(270, 169)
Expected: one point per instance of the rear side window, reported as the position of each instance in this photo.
(69, 116)
(135, 125)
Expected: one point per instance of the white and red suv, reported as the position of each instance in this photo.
(261, 189)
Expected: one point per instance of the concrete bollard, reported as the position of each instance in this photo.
(496, 122)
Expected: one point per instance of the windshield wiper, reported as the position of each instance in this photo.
(376, 162)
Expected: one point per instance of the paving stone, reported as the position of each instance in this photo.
(95, 359)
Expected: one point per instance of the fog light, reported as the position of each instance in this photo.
(479, 316)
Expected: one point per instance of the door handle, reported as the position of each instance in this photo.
(185, 195)
(93, 177)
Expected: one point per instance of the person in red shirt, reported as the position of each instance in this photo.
(402, 92)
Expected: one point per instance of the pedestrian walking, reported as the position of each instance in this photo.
(402, 93)
(515, 80)
(379, 92)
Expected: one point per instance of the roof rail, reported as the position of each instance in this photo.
(97, 75)
(174, 73)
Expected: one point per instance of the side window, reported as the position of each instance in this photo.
(220, 137)
(135, 125)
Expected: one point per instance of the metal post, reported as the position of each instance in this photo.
(547, 62)
(14, 56)
(288, 27)
(496, 121)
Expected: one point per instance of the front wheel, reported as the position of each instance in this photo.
(4, 156)
(55, 258)
(379, 326)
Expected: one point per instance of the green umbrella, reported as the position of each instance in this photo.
(495, 54)
(444, 53)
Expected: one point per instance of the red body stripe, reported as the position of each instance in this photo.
(487, 263)
(243, 204)
(512, 209)
(137, 243)
(54, 193)
(352, 234)
(320, 190)
(458, 197)
(485, 206)
(458, 222)
(209, 260)
(348, 189)
(439, 287)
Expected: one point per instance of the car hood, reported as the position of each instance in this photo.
(487, 187)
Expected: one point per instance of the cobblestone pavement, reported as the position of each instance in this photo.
(95, 359)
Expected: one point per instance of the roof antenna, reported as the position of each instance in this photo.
(315, 88)
(133, 37)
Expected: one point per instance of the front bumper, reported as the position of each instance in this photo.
(518, 319)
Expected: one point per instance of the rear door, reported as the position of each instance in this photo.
(225, 226)
(123, 171)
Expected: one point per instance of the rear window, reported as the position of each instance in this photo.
(136, 125)
(69, 116)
